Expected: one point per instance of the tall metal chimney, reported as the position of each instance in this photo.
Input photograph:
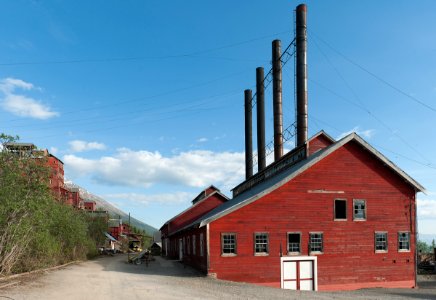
(277, 99)
(248, 135)
(301, 70)
(260, 100)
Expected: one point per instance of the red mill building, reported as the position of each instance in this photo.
(329, 215)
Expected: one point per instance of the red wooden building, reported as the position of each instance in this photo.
(89, 205)
(341, 217)
(179, 241)
(329, 215)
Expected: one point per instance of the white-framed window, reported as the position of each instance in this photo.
(403, 241)
(261, 243)
(193, 245)
(359, 209)
(188, 248)
(381, 241)
(228, 244)
(340, 210)
(294, 242)
(316, 242)
(201, 245)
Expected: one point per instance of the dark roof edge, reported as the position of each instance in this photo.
(327, 151)
(322, 132)
(218, 192)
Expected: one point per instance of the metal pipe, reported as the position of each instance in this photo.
(301, 70)
(248, 135)
(260, 109)
(277, 99)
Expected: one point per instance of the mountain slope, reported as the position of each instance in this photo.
(113, 211)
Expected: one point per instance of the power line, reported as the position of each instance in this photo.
(135, 58)
(426, 164)
(363, 107)
(142, 98)
(284, 58)
(397, 89)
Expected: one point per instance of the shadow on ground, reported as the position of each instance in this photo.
(159, 267)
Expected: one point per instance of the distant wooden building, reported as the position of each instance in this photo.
(330, 215)
(177, 235)
(156, 248)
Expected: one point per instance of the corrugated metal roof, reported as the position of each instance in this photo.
(110, 237)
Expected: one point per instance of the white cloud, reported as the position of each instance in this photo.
(426, 208)
(22, 105)
(168, 198)
(81, 146)
(202, 140)
(369, 133)
(197, 168)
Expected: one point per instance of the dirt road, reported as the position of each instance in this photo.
(112, 278)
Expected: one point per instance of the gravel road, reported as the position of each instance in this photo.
(112, 278)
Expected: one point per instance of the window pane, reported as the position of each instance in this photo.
(340, 209)
(381, 241)
(316, 242)
(359, 209)
(229, 243)
(403, 241)
(294, 242)
(261, 243)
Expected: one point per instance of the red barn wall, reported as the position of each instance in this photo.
(196, 260)
(349, 260)
(319, 142)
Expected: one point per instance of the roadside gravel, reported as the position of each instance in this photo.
(112, 278)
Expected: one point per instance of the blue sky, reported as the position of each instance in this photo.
(143, 100)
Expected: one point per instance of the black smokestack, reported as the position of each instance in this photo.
(277, 99)
(301, 70)
(260, 100)
(248, 134)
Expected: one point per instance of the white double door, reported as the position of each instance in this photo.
(299, 273)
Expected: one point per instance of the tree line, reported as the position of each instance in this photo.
(36, 231)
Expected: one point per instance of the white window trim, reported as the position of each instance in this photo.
(287, 243)
(398, 241)
(366, 210)
(387, 242)
(316, 252)
(222, 245)
(346, 208)
(267, 244)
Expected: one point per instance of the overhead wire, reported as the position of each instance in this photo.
(142, 98)
(384, 81)
(362, 105)
(121, 59)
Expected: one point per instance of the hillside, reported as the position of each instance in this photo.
(113, 211)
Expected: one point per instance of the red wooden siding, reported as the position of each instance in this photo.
(189, 258)
(173, 230)
(349, 260)
(319, 142)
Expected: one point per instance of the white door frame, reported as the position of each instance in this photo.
(284, 259)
